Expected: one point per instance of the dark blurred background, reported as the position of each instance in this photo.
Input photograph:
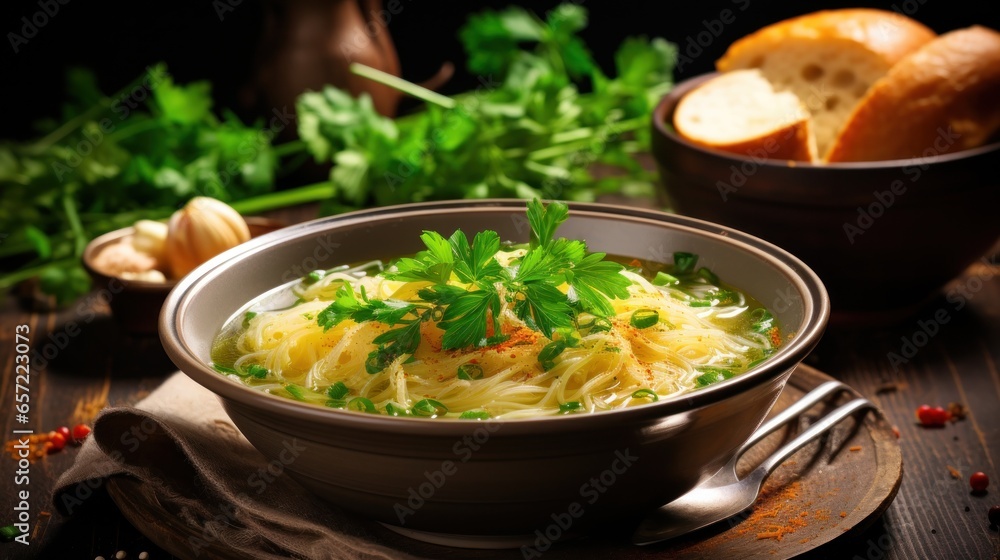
(218, 40)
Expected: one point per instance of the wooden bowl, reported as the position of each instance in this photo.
(884, 236)
(135, 304)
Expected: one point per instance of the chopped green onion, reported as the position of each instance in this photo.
(375, 363)
(429, 408)
(227, 370)
(664, 279)
(247, 317)
(707, 274)
(9, 533)
(475, 415)
(470, 372)
(336, 403)
(361, 404)
(295, 391)
(646, 394)
(257, 371)
(644, 318)
(684, 262)
(570, 406)
(710, 374)
(549, 354)
(393, 409)
(338, 390)
(762, 319)
(313, 277)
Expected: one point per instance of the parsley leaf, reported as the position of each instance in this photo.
(346, 306)
(393, 344)
(465, 320)
(545, 308)
(544, 220)
(476, 263)
(433, 265)
(595, 280)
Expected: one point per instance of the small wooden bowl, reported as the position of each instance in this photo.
(135, 304)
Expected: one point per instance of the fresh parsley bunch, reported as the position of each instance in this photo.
(113, 159)
(545, 114)
(467, 287)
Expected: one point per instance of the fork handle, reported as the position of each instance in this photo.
(821, 426)
(791, 413)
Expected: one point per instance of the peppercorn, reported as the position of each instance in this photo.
(65, 432)
(979, 481)
(994, 516)
(56, 442)
(929, 416)
(80, 432)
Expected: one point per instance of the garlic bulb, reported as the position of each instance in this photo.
(202, 229)
(150, 237)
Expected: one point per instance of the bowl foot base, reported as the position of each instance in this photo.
(468, 541)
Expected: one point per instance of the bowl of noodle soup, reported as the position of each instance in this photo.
(596, 372)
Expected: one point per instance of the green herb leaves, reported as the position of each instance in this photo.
(547, 288)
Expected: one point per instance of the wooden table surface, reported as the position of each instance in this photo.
(934, 515)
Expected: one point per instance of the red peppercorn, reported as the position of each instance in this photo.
(56, 442)
(994, 516)
(80, 432)
(979, 481)
(65, 432)
(935, 416)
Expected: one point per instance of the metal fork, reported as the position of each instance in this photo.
(725, 495)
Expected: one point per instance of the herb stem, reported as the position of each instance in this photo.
(288, 148)
(137, 128)
(79, 237)
(69, 126)
(8, 280)
(280, 199)
(402, 85)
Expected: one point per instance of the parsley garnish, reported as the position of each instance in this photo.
(469, 287)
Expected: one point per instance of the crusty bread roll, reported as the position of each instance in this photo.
(943, 98)
(828, 59)
(740, 112)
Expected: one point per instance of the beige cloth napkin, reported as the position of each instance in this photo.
(195, 466)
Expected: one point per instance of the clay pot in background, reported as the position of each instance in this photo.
(307, 44)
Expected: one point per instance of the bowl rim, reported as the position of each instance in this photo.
(661, 128)
(816, 313)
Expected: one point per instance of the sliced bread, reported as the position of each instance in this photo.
(739, 112)
(828, 59)
(943, 98)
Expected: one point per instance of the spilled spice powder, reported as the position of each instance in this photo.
(38, 446)
(855, 448)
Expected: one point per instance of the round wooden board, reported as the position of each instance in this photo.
(831, 489)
